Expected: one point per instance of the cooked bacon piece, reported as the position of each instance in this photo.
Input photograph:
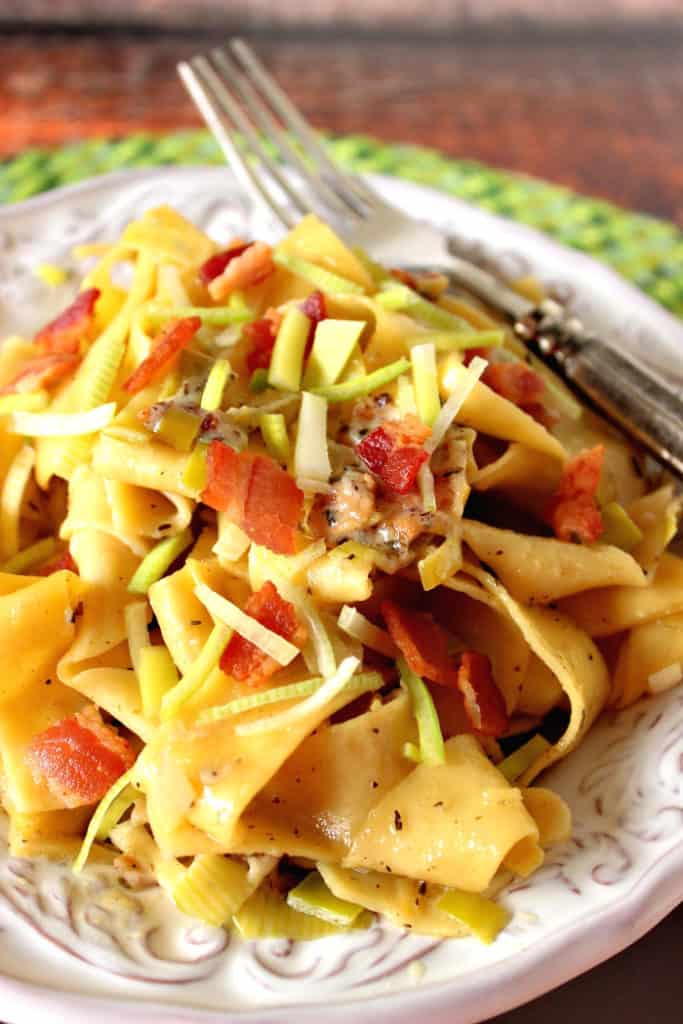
(470, 353)
(42, 372)
(316, 310)
(394, 452)
(516, 382)
(64, 333)
(174, 337)
(421, 641)
(404, 276)
(261, 337)
(484, 702)
(243, 660)
(79, 758)
(273, 507)
(215, 265)
(255, 493)
(250, 267)
(573, 512)
(59, 562)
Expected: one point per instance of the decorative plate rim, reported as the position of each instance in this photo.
(527, 972)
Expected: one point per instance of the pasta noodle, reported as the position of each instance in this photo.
(294, 704)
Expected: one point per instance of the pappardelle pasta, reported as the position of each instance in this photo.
(307, 573)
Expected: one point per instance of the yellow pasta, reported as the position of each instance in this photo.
(334, 675)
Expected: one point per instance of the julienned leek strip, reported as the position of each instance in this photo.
(61, 424)
(99, 816)
(157, 561)
(275, 646)
(428, 727)
(197, 674)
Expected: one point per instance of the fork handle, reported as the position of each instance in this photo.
(624, 391)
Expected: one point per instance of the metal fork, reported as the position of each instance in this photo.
(292, 176)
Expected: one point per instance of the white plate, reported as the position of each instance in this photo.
(69, 950)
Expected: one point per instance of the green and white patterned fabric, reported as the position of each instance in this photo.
(647, 251)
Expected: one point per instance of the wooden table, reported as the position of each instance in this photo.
(600, 114)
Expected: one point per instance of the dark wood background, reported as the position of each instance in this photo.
(587, 94)
(597, 109)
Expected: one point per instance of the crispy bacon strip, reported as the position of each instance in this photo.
(261, 337)
(175, 336)
(394, 452)
(422, 642)
(61, 561)
(573, 511)
(255, 493)
(65, 332)
(79, 758)
(42, 372)
(250, 267)
(243, 660)
(215, 265)
(484, 704)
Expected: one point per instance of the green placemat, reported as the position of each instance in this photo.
(647, 251)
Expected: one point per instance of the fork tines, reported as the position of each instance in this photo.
(272, 149)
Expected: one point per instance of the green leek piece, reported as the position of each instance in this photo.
(402, 299)
(319, 277)
(516, 763)
(116, 811)
(276, 695)
(34, 554)
(311, 896)
(259, 380)
(412, 752)
(212, 395)
(287, 359)
(482, 916)
(358, 387)
(266, 915)
(196, 675)
(428, 727)
(426, 383)
(275, 437)
(311, 456)
(459, 341)
(215, 316)
(377, 272)
(333, 346)
(618, 527)
(178, 428)
(157, 561)
(212, 889)
(25, 401)
(157, 675)
(99, 817)
(196, 471)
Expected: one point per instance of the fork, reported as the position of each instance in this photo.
(292, 176)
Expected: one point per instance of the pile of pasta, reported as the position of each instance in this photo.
(308, 572)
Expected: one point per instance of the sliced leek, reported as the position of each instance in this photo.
(333, 345)
(319, 277)
(311, 896)
(61, 424)
(516, 764)
(224, 611)
(212, 395)
(275, 437)
(287, 359)
(28, 557)
(99, 817)
(482, 916)
(428, 727)
(12, 496)
(311, 457)
(358, 387)
(212, 888)
(158, 561)
(356, 625)
(197, 674)
(25, 401)
(157, 676)
(426, 382)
